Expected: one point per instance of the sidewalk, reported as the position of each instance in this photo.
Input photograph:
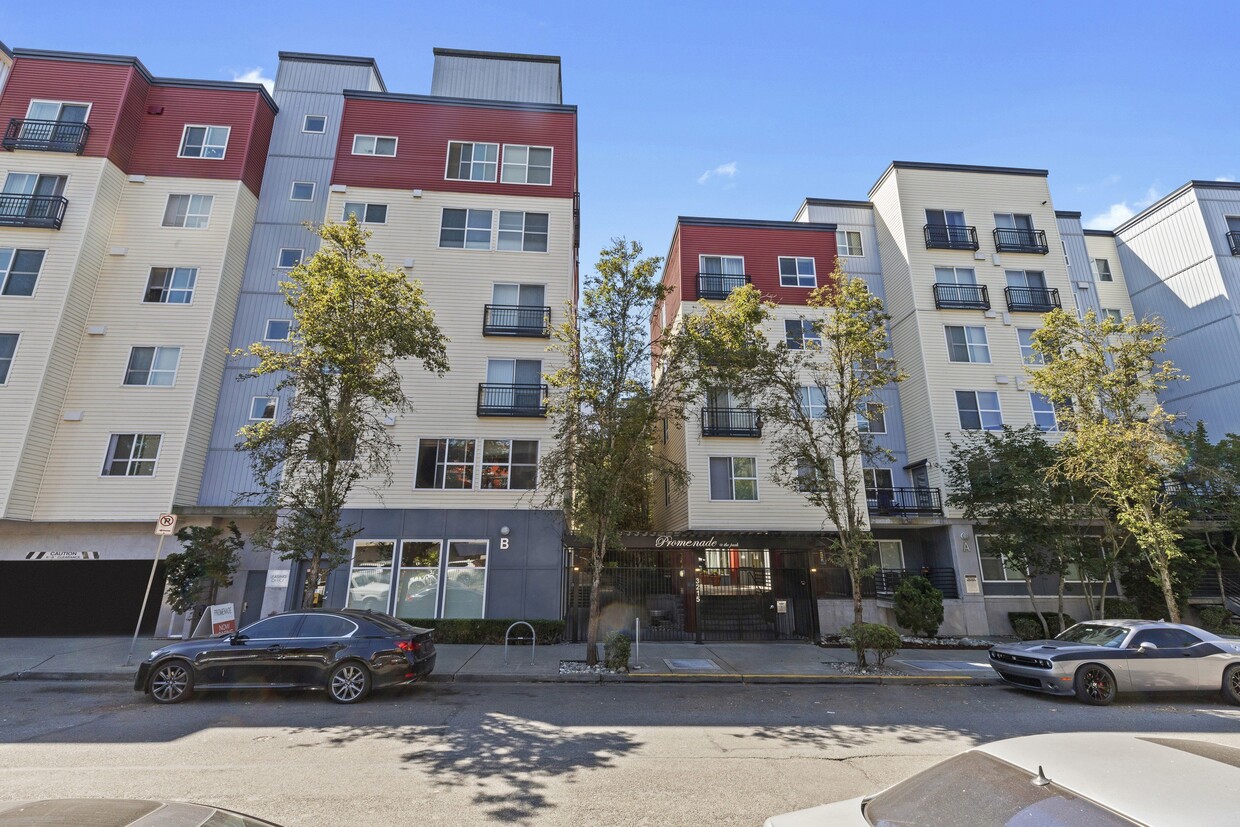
(102, 659)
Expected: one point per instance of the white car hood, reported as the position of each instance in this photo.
(842, 813)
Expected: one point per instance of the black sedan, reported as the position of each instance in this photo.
(346, 651)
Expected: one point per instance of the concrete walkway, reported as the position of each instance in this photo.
(103, 659)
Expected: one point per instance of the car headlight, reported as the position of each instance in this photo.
(154, 654)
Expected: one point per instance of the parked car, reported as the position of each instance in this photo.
(1080, 778)
(121, 812)
(1097, 659)
(347, 652)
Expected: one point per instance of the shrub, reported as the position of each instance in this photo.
(616, 651)
(883, 641)
(489, 631)
(1024, 631)
(1216, 619)
(1121, 608)
(919, 606)
(1027, 628)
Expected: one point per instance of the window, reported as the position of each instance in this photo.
(1027, 354)
(204, 142)
(471, 162)
(509, 464)
(733, 478)
(289, 258)
(263, 407)
(797, 272)
(465, 229)
(1013, 221)
(302, 191)
(273, 628)
(945, 218)
(19, 270)
(979, 410)
(955, 275)
(807, 478)
(153, 366)
(848, 243)
(1164, 638)
(1113, 314)
(324, 626)
(445, 463)
(1066, 260)
(1043, 412)
(813, 402)
(278, 330)
(465, 579)
(800, 333)
(131, 455)
(967, 344)
(667, 491)
(189, 211)
(8, 347)
(872, 419)
(314, 123)
(365, 213)
(170, 285)
(1031, 279)
(887, 554)
(722, 265)
(994, 566)
(527, 164)
(524, 231)
(60, 111)
(877, 479)
(374, 145)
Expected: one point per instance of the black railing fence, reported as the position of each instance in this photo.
(48, 136)
(516, 320)
(961, 296)
(950, 237)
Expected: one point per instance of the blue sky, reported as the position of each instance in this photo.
(743, 109)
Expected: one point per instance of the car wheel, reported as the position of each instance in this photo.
(348, 683)
(1095, 685)
(171, 682)
(1231, 683)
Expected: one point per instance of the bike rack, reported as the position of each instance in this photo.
(533, 638)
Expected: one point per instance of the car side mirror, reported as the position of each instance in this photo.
(1147, 647)
(235, 638)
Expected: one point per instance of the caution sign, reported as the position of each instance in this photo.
(166, 525)
(222, 620)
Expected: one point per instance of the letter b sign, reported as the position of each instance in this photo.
(503, 543)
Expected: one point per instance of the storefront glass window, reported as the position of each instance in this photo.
(370, 581)
(417, 584)
(466, 579)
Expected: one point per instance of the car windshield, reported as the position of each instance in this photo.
(975, 790)
(1094, 634)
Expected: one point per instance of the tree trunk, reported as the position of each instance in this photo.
(596, 578)
(1088, 588)
(1046, 631)
(1168, 589)
(311, 585)
(854, 574)
(1059, 605)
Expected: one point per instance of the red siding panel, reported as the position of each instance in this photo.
(101, 85)
(133, 109)
(260, 141)
(423, 131)
(761, 248)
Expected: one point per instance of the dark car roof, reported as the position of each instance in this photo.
(384, 621)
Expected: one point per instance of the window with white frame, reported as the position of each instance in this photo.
(966, 343)
(263, 407)
(8, 348)
(509, 464)
(733, 478)
(801, 333)
(887, 554)
(995, 568)
(979, 410)
(1027, 353)
(1102, 269)
(382, 145)
(471, 161)
(797, 271)
(316, 124)
(876, 480)
(170, 285)
(466, 229)
(153, 366)
(302, 191)
(445, 463)
(1043, 412)
(370, 575)
(204, 141)
(59, 111)
(522, 231)
(19, 270)
(188, 211)
(1113, 314)
(872, 419)
(131, 455)
(278, 330)
(365, 213)
(1028, 279)
(722, 265)
(955, 275)
(290, 257)
(527, 164)
(813, 402)
(848, 243)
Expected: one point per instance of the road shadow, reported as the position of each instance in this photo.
(853, 736)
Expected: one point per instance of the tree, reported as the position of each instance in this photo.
(354, 322)
(207, 564)
(1104, 376)
(1208, 488)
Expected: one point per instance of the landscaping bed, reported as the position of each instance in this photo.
(913, 642)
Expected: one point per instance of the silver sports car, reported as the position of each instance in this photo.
(1096, 659)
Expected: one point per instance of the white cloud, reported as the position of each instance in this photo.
(727, 170)
(1224, 178)
(1118, 213)
(255, 75)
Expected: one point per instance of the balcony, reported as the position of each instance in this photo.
(1233, 239)
(719, 285)
(943, 578)
(511, 400)
(951, 237)
(46, 136)
(42, 211)
(1009, 240)
(516, 320)
(901, 502)
(1032, 299)
(961, 297)
(742, 422)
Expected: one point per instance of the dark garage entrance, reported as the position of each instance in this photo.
(77, 597)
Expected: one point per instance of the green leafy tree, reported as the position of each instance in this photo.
(919, 606)
(1208, 488)
(207, 563)
(355, 322)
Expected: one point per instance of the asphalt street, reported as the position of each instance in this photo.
(536, 754)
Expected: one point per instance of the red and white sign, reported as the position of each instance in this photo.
(166, 524)
(222, 620)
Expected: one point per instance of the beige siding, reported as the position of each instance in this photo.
(672, 514)
(1110, 293)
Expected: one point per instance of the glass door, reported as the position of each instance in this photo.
(465, 579)
(370, 578)
(418, 579)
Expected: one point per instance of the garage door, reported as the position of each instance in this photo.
(76, 597)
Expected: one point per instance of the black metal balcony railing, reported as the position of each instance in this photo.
(943, 578)
(516, 320)
(1032, 299)
(48, 136)
(1233, 239)
(731, 422)
(719, 285)
(904, 501)
(951, 237)
(1011, 240)
(511, 400)
(961, 297)
(45, 211)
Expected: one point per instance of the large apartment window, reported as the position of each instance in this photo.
(801, 333)
(472, 161)
(524, 231)
(466, 229)
(979, 410)
(365, 213)
(59, 111)
(1031, 279)
(1113, 314)
(1043, 412)
(445, 463)
(807, 477)
(722, 265)
(8, 347)
(796, 271)
(955, 275)
(1013, 221)
(733, 478)
(527, 164)
(967, 344)
(848, 243)
(131, 455)
(374, 145)
(994, 567)
(510, 464)
(813, 402)
(170, 285)
(153, 366)
(1027, 353)
(19, 270)
(204, 141)
(876, 480)
(189, 211)
(872, 419)
(1102, 269)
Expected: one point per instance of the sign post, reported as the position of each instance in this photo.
(164, 526)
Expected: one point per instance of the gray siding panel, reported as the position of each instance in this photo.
(1079, 271)
(491, 79)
